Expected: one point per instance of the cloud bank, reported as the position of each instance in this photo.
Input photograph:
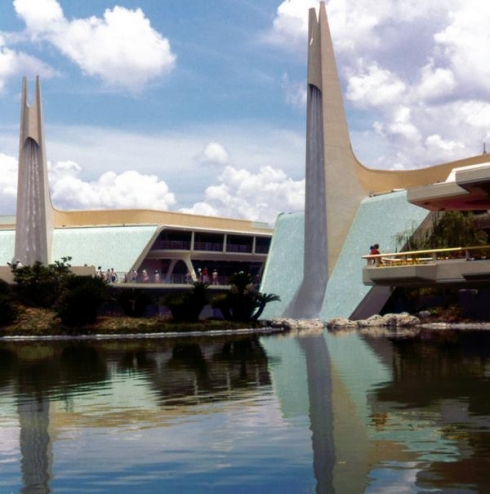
(414, 74)
(121, 48)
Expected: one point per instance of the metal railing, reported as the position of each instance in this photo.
(427, 256)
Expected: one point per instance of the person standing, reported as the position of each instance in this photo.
(374, 252)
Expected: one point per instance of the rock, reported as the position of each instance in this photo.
(298, 324)
(373, 321)
(341, 322)
(403, 319)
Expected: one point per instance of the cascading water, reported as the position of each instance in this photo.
(31, 235)
(307, 302)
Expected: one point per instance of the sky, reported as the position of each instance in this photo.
(199, 106)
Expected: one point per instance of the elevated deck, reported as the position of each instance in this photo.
(457, 265)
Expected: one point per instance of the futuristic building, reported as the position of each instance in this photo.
(348, 206)
(127, 241)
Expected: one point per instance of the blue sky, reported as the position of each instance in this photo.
(199, 106)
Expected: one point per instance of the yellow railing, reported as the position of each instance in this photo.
(473, 253)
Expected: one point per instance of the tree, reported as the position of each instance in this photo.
(186, 306)
(81, 300)
(39, 285)
(243, 302)
(446, 229)
(134, 302)
(8, 311)
(454, 229)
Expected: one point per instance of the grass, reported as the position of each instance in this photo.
(43, 322)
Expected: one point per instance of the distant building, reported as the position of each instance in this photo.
(128, 241)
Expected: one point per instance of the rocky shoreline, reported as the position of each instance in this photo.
(387, 321)
(36, 327)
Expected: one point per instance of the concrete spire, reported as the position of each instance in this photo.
(34, 226)
(342, 188)
(333, 191)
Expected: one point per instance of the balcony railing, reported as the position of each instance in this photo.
(209, 246)
(171, 245)
(428, 267)
(239, 248)
(409, 258)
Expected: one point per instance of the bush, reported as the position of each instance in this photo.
(81, 300)
(39, 285)
(243, 302)
(8, 310)
(186, 306)
(134, 302)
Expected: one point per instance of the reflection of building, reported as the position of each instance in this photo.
(60, 387)
(315, 261)
(167, 242)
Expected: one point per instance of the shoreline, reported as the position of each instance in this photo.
(303, 327)
(39, 325)
(132, 336)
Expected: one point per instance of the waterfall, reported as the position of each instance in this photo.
(307, 302)
(31, 235)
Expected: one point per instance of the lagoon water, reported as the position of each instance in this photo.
(319, 413)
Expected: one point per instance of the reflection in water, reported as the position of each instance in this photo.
(35, 445)
(446, 377)
(320, 409)
(337, 413)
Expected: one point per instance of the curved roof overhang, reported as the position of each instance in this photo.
(466, 189)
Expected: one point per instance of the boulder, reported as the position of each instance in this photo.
(341, 322)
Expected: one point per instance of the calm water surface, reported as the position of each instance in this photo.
(321, 413)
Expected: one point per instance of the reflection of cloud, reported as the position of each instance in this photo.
(9, 445)
(121, 48)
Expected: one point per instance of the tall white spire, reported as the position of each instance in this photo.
(34, 226)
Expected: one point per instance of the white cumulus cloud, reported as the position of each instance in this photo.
(375, 87)
(15, 63)
(126, 190)
(414, 75)
(257, 196)
(213, 154)
(121, 48)
(8, 183)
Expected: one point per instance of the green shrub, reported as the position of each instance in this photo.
(243, 302)
(8, 310)
(134, 302)
(186, 306)
(39, 285)
(81, 300)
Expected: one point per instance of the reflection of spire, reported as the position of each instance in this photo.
(35, 444)
(33, 218)
(321, 416)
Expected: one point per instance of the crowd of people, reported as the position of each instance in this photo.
(203, 276)
(111, 276)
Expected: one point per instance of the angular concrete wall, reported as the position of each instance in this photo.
(379, 219)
